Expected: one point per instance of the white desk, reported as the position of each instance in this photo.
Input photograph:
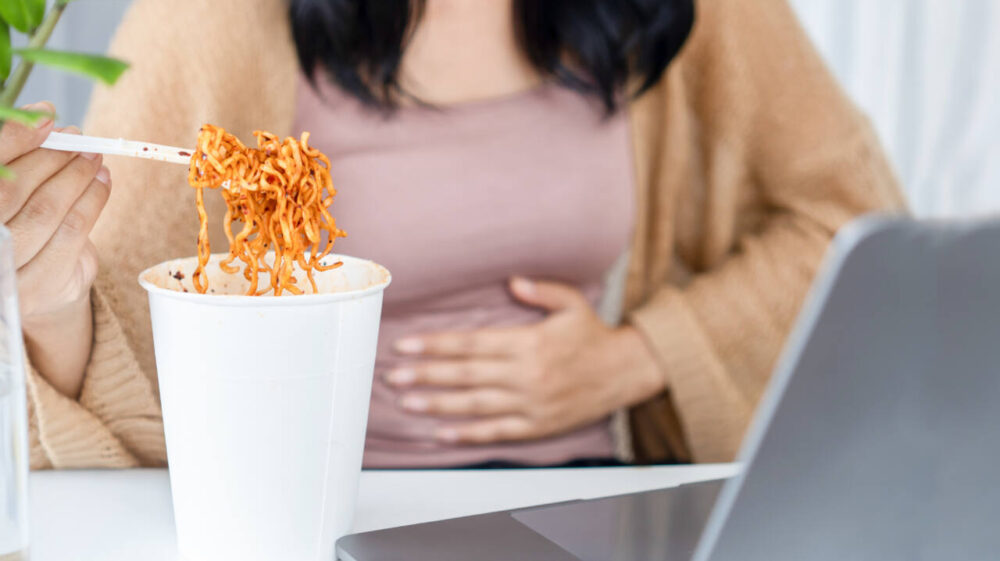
(127, 515)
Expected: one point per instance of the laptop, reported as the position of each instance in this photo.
(878, 437)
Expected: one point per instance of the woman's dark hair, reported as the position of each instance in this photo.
(593, 46)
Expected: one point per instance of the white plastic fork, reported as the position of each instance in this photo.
(117, 147)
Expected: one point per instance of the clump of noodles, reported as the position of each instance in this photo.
(280, 192)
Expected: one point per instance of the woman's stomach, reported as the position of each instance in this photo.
(401, 439)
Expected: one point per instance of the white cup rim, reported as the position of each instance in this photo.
(267, 301)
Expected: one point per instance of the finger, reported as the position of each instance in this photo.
(88, 263)
(60, 257)
(509, 428)
(30, 171)
(496, 342)
(17, 139)
(453, 374)
(478, 402)
(551, 296)
(48, 207)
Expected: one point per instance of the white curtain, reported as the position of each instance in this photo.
(928, 74)
(87, 26)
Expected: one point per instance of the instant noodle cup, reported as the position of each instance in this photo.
(265, 405)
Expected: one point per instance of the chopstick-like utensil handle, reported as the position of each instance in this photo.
(117, 147)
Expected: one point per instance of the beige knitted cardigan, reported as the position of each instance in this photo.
(748, 158)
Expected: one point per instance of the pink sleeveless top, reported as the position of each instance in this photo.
(456, 200)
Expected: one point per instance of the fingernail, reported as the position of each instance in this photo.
(71, 130)
(447, 435)
(104, 175)
(401, 376)
(89, 155)
(41, 106)
(414, 403)
(410, 346)
(522, 286)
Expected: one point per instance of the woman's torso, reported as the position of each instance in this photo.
(454, 202)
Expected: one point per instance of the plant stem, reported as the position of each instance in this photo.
(38, 39)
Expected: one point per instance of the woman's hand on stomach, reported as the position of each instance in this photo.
(527, 382)
(50, 206)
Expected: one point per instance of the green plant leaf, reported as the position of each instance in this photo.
(24, 116)
(24, 15)
(102, 68)
(5, 54)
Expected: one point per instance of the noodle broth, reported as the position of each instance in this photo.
(354, 276)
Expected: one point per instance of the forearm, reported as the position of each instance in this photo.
(59, 345)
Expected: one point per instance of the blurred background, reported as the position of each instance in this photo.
(927, 72)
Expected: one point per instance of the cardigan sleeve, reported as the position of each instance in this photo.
(780, 127)
(116, 421)
(192, 62)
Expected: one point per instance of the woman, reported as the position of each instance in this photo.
(499, 158)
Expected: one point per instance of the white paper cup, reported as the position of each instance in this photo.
(265, 405)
